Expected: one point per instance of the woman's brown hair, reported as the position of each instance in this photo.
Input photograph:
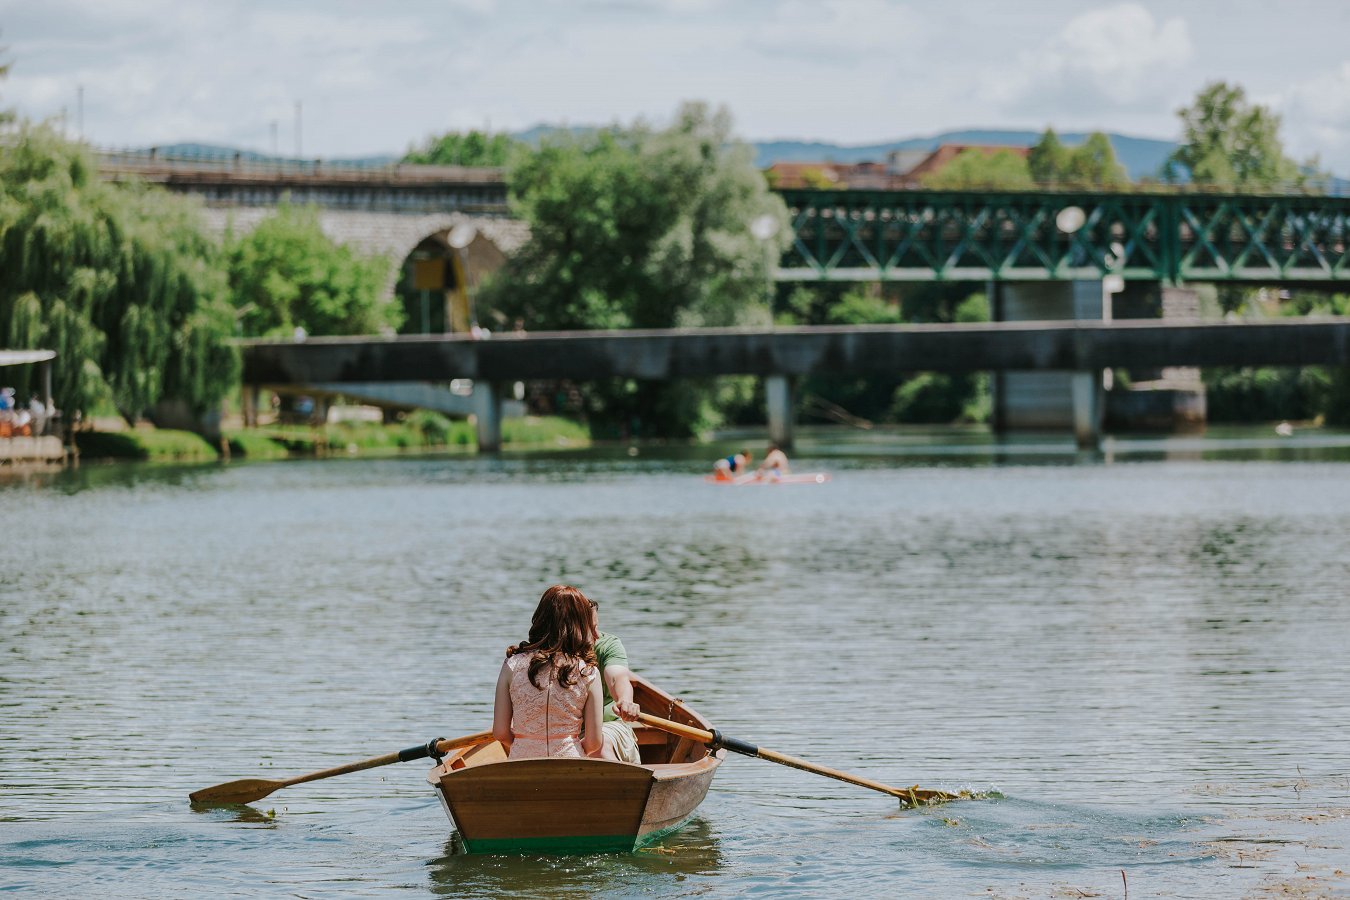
(560, 634)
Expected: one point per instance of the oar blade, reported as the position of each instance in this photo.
(245, 790)
(917, 796)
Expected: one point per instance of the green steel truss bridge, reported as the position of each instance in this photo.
(856, 235)
(1017, 236)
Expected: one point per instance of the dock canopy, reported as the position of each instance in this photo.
(24, 357)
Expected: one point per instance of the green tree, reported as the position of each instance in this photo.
(926, 397)
(638, 228)
(1092, 164)
(286, 273)
(1048, 159)
(1228, 142)
(974, 168)
(120, 281)
(863, 307)
(471, 148)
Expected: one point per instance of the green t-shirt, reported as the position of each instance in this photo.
(609, 652)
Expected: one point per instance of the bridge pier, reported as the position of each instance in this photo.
(251, 397)
(778, 398)
(487, 401)
(1050, 401)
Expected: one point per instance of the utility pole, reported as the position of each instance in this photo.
(297, 130)
(273, 123)
(79, 111)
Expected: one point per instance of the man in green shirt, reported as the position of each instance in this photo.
(620, 742)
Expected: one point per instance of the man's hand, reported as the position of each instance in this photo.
(627, 710)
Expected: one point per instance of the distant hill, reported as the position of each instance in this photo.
(1142, 157)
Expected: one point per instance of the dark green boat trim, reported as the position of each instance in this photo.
(581, 843)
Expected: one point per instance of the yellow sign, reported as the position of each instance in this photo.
(428, 274)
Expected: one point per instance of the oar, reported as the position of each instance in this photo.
(247, 790)
(715, 739)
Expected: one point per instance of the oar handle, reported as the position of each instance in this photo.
(421, 751)
(717, 739)
(687, 731)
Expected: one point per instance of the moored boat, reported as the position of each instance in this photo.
(500, 805)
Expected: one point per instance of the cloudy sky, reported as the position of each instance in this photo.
(376, 77)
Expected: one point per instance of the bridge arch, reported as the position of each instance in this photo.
(401, 238)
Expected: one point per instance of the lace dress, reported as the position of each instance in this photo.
(546, 720)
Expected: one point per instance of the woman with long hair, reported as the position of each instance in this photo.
(548, 692)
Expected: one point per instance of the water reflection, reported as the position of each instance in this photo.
(237, 813)
(692, 851)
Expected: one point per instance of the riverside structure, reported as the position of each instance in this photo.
(1081, 256)
(782, 354)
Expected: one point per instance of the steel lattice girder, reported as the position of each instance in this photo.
(976, 236)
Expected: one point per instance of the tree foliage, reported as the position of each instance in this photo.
(635, 228)
(1091, 164)
(1049, 163)
(471, 148)
(641, 228)
(119, 281)
(1231, 143)
(286, 273)
(975, 168)
(925, 397)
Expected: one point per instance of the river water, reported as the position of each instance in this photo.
(1142, 658)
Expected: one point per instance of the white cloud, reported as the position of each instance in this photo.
(1316, 115)
(377, 77)
(1117, 58)
(837, 31)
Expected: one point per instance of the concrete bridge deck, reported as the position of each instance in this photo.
(1080, 348)
(692, 353)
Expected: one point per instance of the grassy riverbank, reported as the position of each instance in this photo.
(420, 432)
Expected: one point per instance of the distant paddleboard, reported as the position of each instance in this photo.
(747, 480)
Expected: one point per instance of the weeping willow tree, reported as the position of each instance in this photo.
(119, 281)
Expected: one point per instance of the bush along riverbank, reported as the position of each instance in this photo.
(420, 432)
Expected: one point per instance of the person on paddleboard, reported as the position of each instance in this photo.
(775, 463)
(727, 468)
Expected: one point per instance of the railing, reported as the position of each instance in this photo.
(237, 164)
(975, 236)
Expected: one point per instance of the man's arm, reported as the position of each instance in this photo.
(619, 681)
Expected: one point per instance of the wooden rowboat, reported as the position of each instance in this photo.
(499, 805)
